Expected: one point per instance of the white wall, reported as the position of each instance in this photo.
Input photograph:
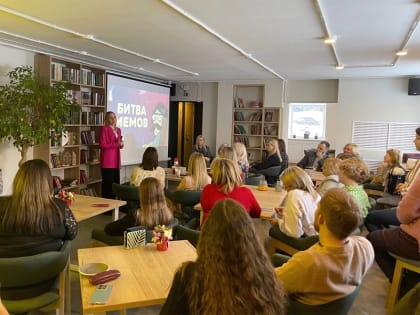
(9, 155)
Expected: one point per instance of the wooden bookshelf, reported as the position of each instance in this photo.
(252, 122)
(74, 158)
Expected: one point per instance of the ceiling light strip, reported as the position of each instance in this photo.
(327, 34)
(7, 42)
(87, 37)
(77, 52)
(407, 37)
(219, 36)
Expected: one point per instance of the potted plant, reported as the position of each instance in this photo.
(31, 108)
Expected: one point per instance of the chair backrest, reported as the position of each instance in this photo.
(338, 307)
(125, 192)
(279, 259)
(184, 197)
(254, 180)
(185, 233)
(19, 273)
(409, 303)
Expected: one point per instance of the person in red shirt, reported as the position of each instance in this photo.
(227, 184)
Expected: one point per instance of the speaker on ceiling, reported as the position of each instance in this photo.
(414, 86)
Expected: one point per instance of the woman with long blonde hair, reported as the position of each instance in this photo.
(153, 209)
(227, 184)
(297, 216)
(242, 155)
(198, 177)
(273, 159)
(232, 273)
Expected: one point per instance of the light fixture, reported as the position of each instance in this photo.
(401, 53)
(192, 18)
(87, 36)
(330, 40)
(339, 67)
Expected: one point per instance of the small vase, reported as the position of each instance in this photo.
(163, 246)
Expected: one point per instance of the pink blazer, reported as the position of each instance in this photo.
(110, 156)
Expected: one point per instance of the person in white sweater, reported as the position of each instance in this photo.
(148, 168)
(296, 218)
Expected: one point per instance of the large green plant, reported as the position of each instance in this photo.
(30, 108)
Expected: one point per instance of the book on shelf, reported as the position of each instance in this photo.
(239, 103)
(57, 183)
(273, 130)
(83, 156)
(255, 129)
(266, 131)
(268, 116)
(55, 160)
(88, 136)
(239, 116)
(255, 116)
(89, 191)
(83, 177)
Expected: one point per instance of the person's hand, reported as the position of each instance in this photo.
(121, 144)
(401, 187)
(274, 221)
(319, 154)
(279, 211)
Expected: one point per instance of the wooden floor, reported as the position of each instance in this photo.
(370, 301)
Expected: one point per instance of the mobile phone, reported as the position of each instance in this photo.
(101, 294)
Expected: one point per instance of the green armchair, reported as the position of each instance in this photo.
(187, 199)
(30, 283)
(185, 233)
(128, 193)
(287, 244)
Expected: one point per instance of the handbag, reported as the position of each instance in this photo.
(135, 237)
(392, 182)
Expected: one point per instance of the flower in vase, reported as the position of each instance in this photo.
(161, 234)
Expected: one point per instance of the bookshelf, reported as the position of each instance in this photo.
(74, 158)
(252, 122)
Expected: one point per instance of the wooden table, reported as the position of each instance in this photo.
(316, 176)
(85, 207)
(146, 274)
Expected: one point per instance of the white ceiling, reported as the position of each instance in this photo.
(283, 35)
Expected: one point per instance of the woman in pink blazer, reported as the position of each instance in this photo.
(110, 142)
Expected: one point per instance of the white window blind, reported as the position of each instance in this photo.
(384, 135)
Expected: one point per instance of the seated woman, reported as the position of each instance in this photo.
(391, 164)
(242, 155)
(149, 167)
(283, 154)
(297, 216)
(242, 278)
(198, 177)
(273, 159)
(330, 171)
(230, 154)
(404, 240)
(350, 150)
(353, 172)
(201, 147)
(379, 219)
(31, 220)
(227, 184)
(153, 210)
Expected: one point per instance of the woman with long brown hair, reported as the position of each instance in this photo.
(32, 221)
(149, 167)
(153, 209)
(232, 273)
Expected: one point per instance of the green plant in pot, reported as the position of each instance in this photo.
(31, 108)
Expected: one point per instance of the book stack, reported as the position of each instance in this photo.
(83, 156)
(55, 160)
(83, 177)
(88, 136)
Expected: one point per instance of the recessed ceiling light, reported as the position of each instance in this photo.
(89, 36)
(83, 52)
(330, 40)
(401, 53)
(339, 67)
